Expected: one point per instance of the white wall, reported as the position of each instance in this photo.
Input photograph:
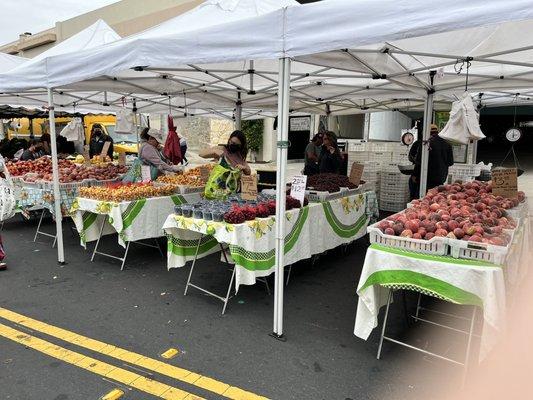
(388, 125)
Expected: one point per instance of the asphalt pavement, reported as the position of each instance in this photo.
(142, 309)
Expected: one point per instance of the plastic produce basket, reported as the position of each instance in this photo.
(436, 245)
(479, 251)
(391, 206)
(191, 189)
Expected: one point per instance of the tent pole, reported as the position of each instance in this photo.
(55, 173)
(281, 164)
(238, 114)
(428, 119)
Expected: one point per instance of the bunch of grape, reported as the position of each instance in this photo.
(249, 213)
(235, 216)
(291, 203)
(262, 210)
(329, 182)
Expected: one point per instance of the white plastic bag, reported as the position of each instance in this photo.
(73, 131)
(463, 124)
(125, 121)
(7, 193)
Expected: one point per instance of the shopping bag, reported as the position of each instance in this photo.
(223, 181)
(134, 174)
(463, 124)
(125, 121)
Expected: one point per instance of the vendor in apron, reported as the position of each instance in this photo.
(224, 178)
(150, 153)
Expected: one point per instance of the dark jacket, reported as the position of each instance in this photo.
(329, 163)
(440, 158)
(97, 144)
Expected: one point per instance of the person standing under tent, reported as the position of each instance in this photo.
(330, 158)
(97, 142)
(183, 147)
(150, 153)
(33, 152)
(234, 153)
(312, 153)
(440, 159)
(414, 179)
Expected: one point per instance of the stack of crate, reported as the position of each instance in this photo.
(394, 189)
(372, 175)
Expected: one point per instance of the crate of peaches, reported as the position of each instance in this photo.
(126, 192)
(467, 219)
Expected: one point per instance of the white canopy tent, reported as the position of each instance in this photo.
(233, 63)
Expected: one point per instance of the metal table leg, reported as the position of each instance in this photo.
(99, 237)
(382, 336)
(39, 232)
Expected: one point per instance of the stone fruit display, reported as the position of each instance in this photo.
(329, 182)
(41, 169)
(125, 191)
(458, 211)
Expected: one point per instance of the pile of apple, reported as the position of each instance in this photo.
(458, 211)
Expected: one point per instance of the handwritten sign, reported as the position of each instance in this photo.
(505, 182)
(105, 149)
(299, 182)
(204, 173)
(356, 173)
(86, 154)
(145, 173)
(249, 187)
(121, 158)
(300, 123)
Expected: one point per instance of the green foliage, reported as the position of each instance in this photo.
(253, 130)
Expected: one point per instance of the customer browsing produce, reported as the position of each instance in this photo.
(234, 153)
(224, 178)
(150, 153)
(330, 159)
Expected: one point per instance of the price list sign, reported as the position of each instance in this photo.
(298, 185)
(249, 187)
(505, 182)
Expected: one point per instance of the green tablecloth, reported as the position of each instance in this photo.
(459, 281)
(132, 220)
(310, 230)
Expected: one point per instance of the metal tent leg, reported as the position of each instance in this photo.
(389, 300)
(125, 256)
(192, 266)
(99, 237)
(229, 290)
(288, 275)
(39, 225)
(469, 345)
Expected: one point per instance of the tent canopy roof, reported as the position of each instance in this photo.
(367, 61)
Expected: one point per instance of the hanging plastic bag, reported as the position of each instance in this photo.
(7, 193)
(222, 181)
(463, 125)
(125, 121)
(73, 130)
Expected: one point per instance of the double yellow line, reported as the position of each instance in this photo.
(109, 371)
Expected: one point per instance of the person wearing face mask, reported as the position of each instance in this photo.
(234, 153)
(330, 158)
(98, 139)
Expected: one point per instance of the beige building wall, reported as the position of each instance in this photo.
(126, 17)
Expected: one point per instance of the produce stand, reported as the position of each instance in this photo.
(133, 220)
(309, 230)
(483, 274)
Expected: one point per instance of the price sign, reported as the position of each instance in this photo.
(249, 187)
(299, 183)
(121, 158)
(105, 149)
(145, 173)
(86, 155)
(204, 173)
(505, 182)
(356, 173)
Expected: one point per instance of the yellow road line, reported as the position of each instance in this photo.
(97, 367)
(136, 359)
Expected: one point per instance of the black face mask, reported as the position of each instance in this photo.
(234, 148)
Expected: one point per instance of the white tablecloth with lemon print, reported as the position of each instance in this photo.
(132, 220)
(308, 231)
